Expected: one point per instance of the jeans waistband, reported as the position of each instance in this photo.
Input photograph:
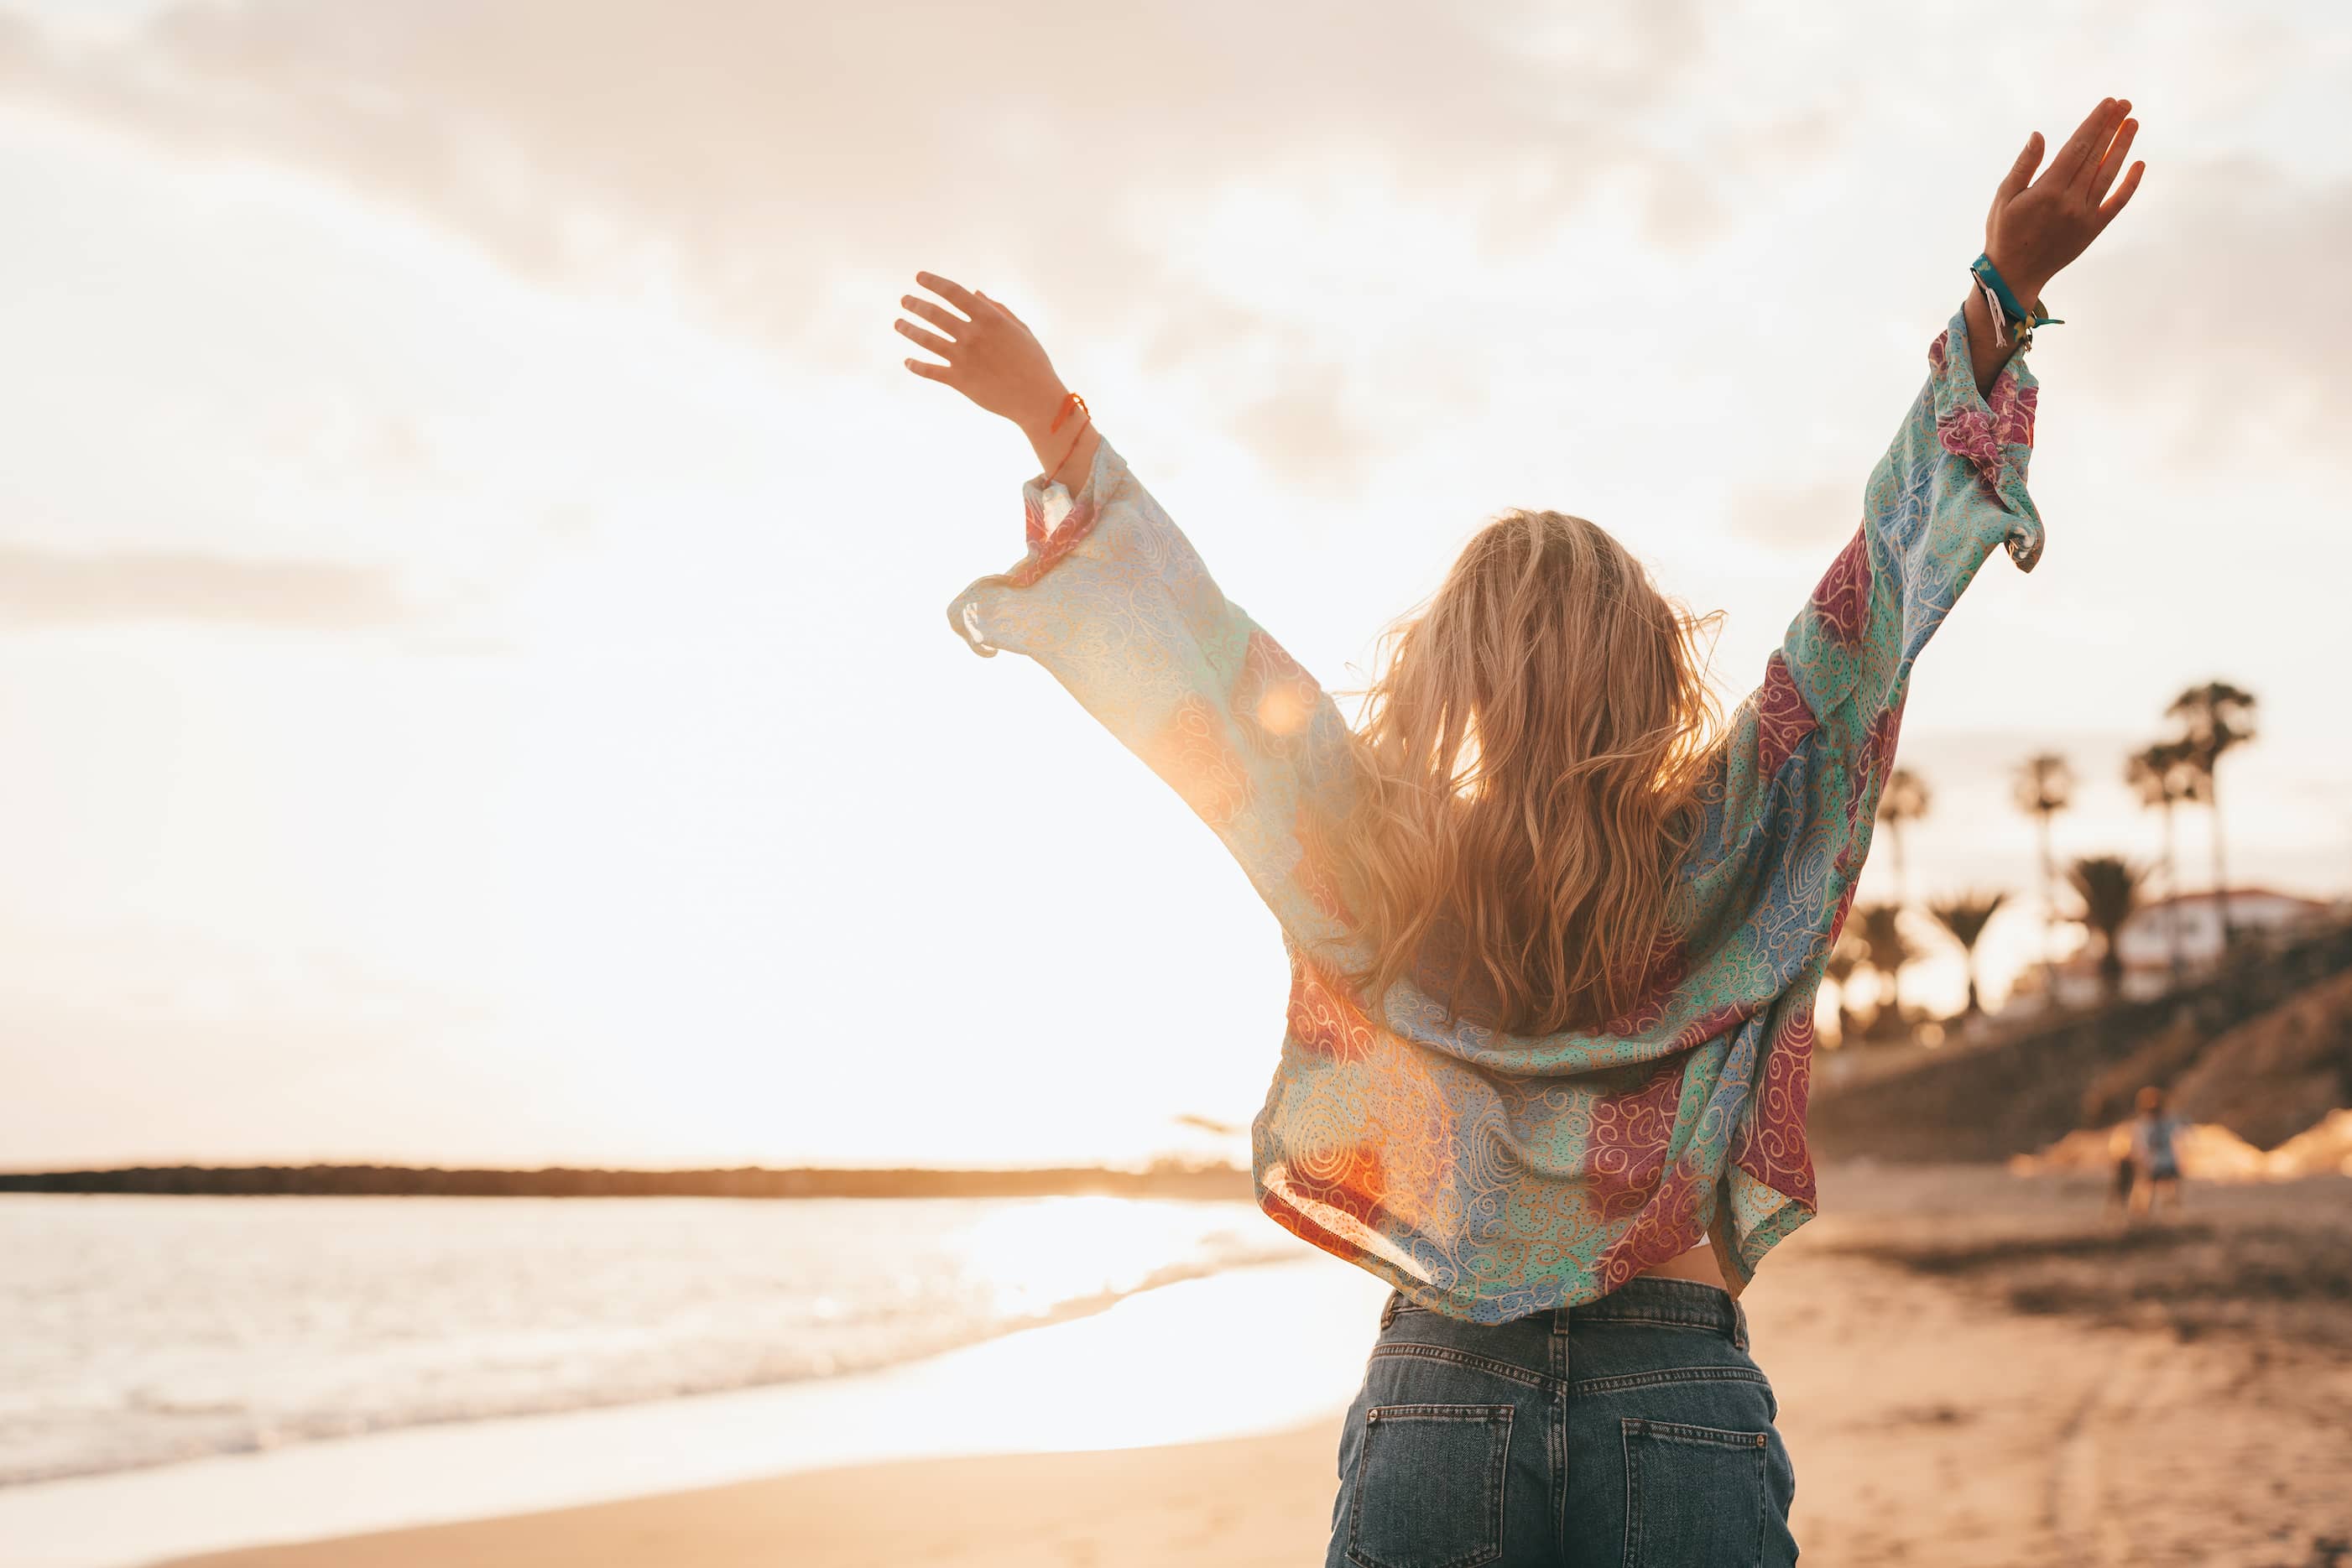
(1646, 1302)
(1666, 1303)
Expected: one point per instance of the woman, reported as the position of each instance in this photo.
(1554, 942)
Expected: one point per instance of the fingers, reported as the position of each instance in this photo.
(2114, 203)
(2092, 133)
(2020, 173)
(954, 293)
(2118, 110)
(2113, 163)
(931, 340)
(974, 307)
(945, 320)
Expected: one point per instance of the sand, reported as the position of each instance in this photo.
(2019, 1384)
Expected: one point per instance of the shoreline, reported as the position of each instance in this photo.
(995, 1396)
(1077, 1310)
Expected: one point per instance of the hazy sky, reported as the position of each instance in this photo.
(473, 678)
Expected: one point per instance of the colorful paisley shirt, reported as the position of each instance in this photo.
(1486, 1175)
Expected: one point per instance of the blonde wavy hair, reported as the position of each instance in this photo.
(1531, 747)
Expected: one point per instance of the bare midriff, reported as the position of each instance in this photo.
(1697, 1264)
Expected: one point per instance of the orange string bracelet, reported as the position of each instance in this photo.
(1072, 402)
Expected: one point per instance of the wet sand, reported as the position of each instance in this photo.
(1971, 1368)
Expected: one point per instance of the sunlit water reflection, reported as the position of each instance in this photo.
(147, 1330)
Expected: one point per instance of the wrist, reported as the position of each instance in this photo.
(2026, 283)
(1038, 411)
(1063, 454)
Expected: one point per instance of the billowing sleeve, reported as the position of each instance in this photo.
(1791, 797)
(1111, 598)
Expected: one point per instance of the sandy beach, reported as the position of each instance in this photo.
(1970, 1367)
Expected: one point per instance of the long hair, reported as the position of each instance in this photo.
(1530, 750)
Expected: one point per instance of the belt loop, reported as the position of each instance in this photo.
(1389, 1308)
(1739, 1326)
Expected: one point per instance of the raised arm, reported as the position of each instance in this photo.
(1790, 812)
(1112, 599)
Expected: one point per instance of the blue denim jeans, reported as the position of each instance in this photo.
(1633, 1431)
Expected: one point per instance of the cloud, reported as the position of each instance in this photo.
(2236, 292)
(765, 159)
(759, 155)
(1810, 518)
(1305, 434)
(773, 165)
(767, 140)
(51, 588)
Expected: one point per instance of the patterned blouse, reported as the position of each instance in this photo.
(1487, 1174)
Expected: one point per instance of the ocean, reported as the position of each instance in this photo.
(143, 1331)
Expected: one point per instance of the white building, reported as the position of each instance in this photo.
(2194, 920)
(2145, 942)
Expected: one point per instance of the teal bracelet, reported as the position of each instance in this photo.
(1990, 276)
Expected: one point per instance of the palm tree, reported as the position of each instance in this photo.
(2045, 785)
(1885, 949)
(1904, 801)
(1843, 959)
(2214, 717)
(1966, 917)
(2109, 889)
(2165, 777)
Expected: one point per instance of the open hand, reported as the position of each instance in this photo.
(2035, 229)
(992, 356)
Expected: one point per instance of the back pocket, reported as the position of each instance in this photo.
(1429, 1486)
(1694, 1496)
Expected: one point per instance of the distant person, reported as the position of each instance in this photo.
(2125, 1160)
(1555, 932)
(2155, 1153)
